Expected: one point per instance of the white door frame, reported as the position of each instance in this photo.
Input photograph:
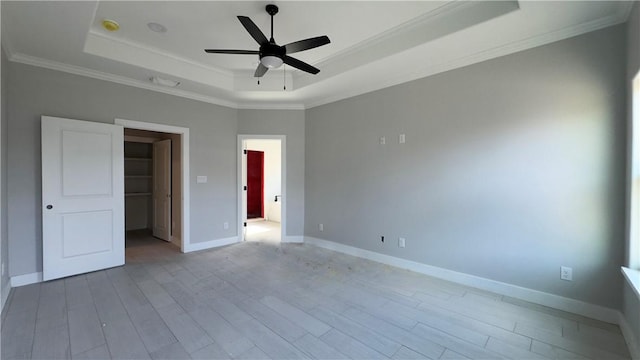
(283, 184)
(185, 229)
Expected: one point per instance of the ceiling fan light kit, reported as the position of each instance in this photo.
(272, 55)
(271, 62)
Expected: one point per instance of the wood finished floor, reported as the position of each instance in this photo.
(262, 300)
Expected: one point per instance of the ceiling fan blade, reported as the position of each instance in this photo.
(301, 65)
(306, 44)
(237, 52)
(260, 70)
(253, 30)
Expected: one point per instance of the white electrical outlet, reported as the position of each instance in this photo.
(566, 273)
(401, 242)
(321, 227)
(225, 225)
(401, 139)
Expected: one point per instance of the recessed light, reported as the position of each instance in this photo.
(164, 82)
(110, 25)
(155, 27)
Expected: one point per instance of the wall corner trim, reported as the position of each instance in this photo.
(26, 279)
(5, 296)
(554, 301)
(209, 244)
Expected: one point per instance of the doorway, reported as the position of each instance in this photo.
(171, 224)
(149, 181)
(262, 187)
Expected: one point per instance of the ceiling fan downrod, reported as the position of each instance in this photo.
(272, 10)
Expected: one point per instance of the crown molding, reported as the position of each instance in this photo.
(624, 11)
(496, 52)
(440, 22)
(267, 106)
(82, 71)
(162, 53)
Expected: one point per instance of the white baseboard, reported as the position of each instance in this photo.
(26, 279)
(629, 337)
(554, 301)
(209, 244)
(296, 239)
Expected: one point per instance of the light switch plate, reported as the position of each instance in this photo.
(201, 179)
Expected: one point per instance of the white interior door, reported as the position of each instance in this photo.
(82, 197)
(162, 189)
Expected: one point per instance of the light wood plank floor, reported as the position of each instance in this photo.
(258, 300)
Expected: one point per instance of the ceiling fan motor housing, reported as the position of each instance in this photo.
(272, 50)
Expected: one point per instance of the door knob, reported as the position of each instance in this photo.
(49, 207)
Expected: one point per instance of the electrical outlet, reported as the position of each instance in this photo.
(226, 225)
(566, 273)
(401, 242)
(321, 227)
(401, 139)
(383, 140)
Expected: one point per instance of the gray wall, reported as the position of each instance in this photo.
(36, 91)
(631, 303)
(4, 238)
(511, 168)
(290, 123)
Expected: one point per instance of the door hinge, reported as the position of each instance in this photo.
(244, 187)
(244, 151)
(245, 224)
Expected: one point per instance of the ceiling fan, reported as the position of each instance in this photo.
(272, 55)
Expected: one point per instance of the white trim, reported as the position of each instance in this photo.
(557, 302)
(26, 279)
(186, 195)
(210, 244)
(415, 73)
(629, 337)
(269, 106)
(293, 239)
(283, 181)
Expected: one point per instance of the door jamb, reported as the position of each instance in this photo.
(185, 201)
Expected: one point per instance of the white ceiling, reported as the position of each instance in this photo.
(374, 44)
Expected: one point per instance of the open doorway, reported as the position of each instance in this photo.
(262, 183)
(151, 179)
(156, 188)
